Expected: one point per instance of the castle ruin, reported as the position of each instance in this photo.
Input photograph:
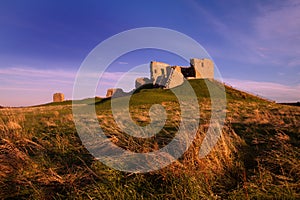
(168, 76)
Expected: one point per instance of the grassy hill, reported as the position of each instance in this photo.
(291, 104)
(69, 102)
(257, 156)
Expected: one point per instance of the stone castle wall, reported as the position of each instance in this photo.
(204, 68)
(176, 78)
(162, 72)
(158, 69)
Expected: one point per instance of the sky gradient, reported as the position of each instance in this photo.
(255, 44)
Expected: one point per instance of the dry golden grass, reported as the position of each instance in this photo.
(256, 157)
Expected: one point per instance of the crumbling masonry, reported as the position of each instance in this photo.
(167, 76)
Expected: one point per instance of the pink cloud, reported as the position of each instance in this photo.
(270, 90)
(29, 86)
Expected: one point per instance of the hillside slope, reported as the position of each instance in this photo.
(257, 156)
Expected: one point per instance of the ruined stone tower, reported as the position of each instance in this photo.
(58, 97)
(204, 68)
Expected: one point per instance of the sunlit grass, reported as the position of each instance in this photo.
(257, 156)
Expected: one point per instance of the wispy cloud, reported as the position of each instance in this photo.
(28, 86)
(37, 85)
(270, 90)
(277, 32)
(31, 72)
(269, 35)
(23, 86)
(279, 20)
(262, 39)
(122, 63)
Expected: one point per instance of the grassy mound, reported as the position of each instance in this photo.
(70, 102)
(257, 156)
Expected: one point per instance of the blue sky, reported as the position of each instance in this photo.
(255, 44)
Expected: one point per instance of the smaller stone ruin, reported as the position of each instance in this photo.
(115, 92)
(58, 97)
